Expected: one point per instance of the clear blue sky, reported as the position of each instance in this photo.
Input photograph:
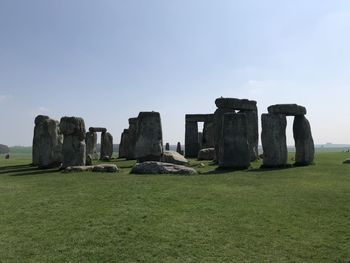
(107, 60)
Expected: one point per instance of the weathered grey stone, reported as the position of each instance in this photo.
(173, 157)
(47, 142)
(200, 139)
(74, 148)
(106, 145)
(91, 145)
(167, 147)
(234, 148)
(88, 159)
(97, 129)
(207, 154)
(236, 104)
(105, 168)
(304, 143)
(287, 109)
(208, 135)
(218, 119)
(191, 139)
(178, 149)
(101, 168)
(149, 143)
(72, 169)
(252, 133)
(273, 138)
(123, 146)
(132, 137)
(162, 168)
(199, 117)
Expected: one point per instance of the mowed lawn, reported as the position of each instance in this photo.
(299, 214)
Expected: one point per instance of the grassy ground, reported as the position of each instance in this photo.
(293, 215)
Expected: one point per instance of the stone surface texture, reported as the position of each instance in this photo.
(173, 157)
(74, 148)
(304, 143)
(234, 149)
(287, 109)
(132, 137)
(206, 154)
(162, 168)
(123, 146)
(106, 146)
(273, 137)
(47, 142)
(149, 143)
(91, 145)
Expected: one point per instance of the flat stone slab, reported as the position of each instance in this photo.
(100, 168)
(287, 109)
(161, 168)
(236, 104)
(97, 129)
(173, 157)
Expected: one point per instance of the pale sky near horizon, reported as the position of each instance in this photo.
(107, 60)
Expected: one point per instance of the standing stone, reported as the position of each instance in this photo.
(273, 138)
(218, 120)
(149, 144)
(47, 142)
(91, 145)
(208, 135)
(106, 146)
(74, 148)
(132, 137)
(200, 139)
(178, 148)
(123, 146)
(304, 143)
(253, 133)
(191, 139)
(234, 148)
(167, 147)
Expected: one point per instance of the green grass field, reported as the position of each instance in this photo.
(292, 215)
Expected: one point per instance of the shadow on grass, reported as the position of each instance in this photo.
(221, 171)
(268, 169)
(36, 172)
(25, 169)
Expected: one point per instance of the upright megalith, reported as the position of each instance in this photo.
(74, 147)
(191, 139)
(304, 143)
(232, 105)
(208, 135)
(123, 146)
(132, 137)
(234, 149)
(252, 132)
(91, 145)
(149, 143)
(106, 146)
(179, 149)
(47, 142)
(273, 138)
(167, 146)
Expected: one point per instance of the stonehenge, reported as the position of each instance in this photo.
(167, 146)
(123, 146)
(47, 142)
(232, 105)
(149, 142)
(91, 145)
(74, 147)
(274, 138)
(234, 151)
(132, 137)
(192, 137)
(179, 149)
(106, 146)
